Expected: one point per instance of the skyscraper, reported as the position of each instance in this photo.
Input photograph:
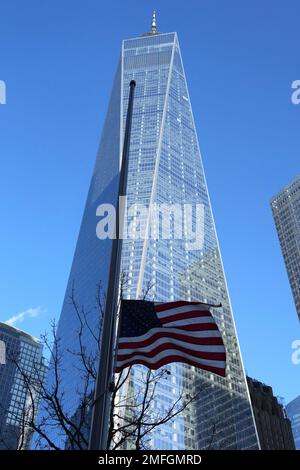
(165, 169)
(286, 212)
(273, 425)
(27, 351)
(293, 412)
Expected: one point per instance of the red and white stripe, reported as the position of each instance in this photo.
(189, 334)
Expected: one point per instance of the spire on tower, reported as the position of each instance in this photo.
(153, 26)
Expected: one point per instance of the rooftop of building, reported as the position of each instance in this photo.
(14, 330)
(260, 385)
(150, 34)
(286, 190)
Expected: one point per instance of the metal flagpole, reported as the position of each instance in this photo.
(102, 397)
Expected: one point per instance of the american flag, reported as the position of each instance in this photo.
(155, 334)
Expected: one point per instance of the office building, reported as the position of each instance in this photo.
(165, 168)
(273, 426)
(286, 212)
(293, 412)
(22, 354)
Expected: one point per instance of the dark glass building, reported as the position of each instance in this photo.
(273, 426)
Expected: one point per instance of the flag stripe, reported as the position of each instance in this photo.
(195, 337)
(190, 321)
(160, 307)
(185, 315)
(198, 327)
(172, 352)
(218, 356)
(172, 311)
(168, 360)
(181, 342)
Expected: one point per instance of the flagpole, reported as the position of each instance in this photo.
(102, 397)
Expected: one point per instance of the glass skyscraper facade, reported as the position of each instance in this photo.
(27, 351)
(286, 212)
(165, 168)
(293, 412)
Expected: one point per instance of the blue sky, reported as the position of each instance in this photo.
(58, 59)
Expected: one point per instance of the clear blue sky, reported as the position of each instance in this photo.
(58, 59)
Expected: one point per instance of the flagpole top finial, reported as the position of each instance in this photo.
(153, 26)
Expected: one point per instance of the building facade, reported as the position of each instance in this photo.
(165, 169)
(21, 353)
(293, 412)
(286, 212)
(273, 426)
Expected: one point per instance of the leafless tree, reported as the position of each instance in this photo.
(134, 415)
